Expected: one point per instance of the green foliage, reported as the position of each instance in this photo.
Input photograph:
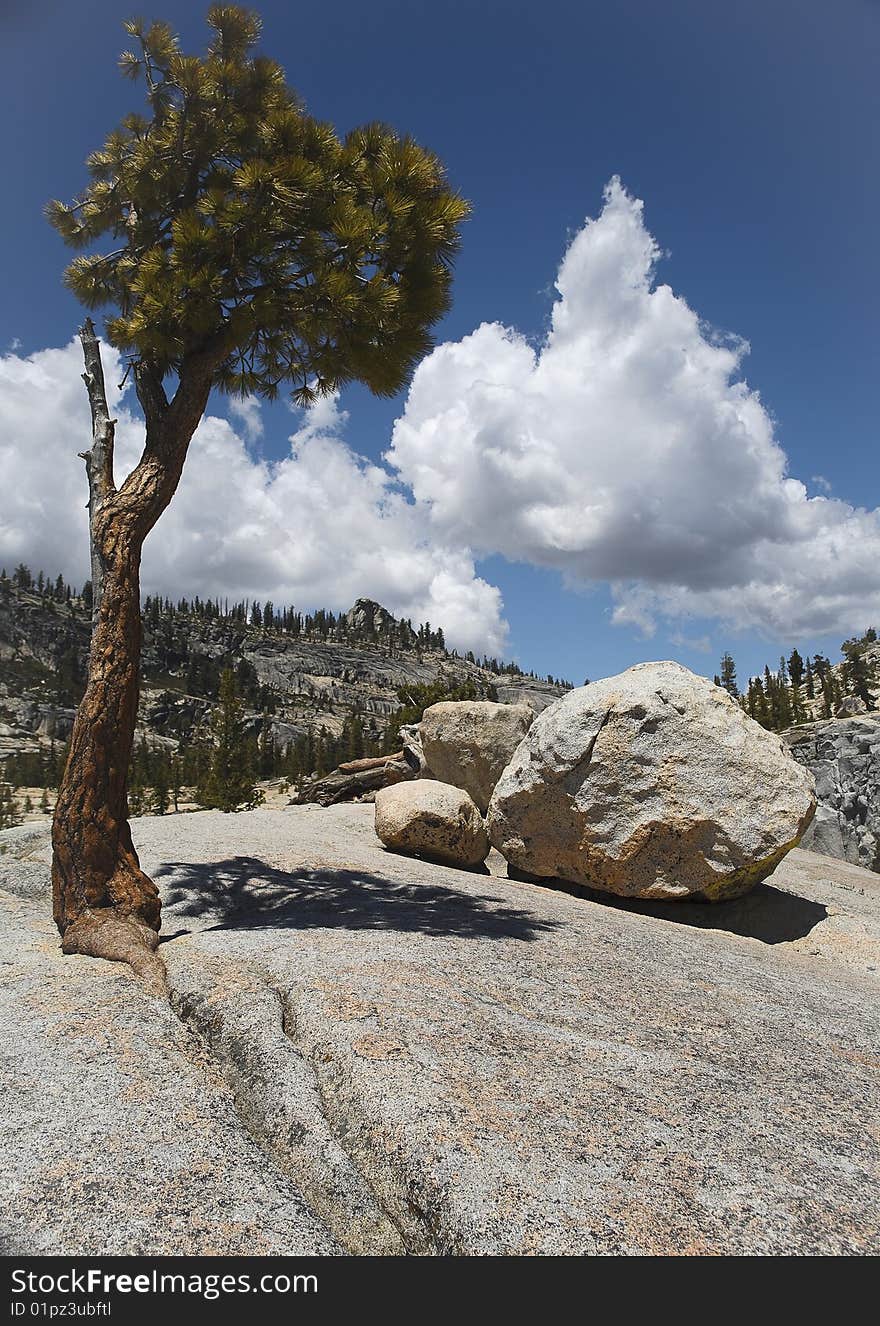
(160, 800)
(317, 753)
(796, 675)
(243, 227)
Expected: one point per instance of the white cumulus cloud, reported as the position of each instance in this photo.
(627, 448)
(321, 527)
(245, 410)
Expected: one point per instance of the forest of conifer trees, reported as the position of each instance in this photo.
(320, 625)
(801, 690)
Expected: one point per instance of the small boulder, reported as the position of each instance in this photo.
(651, 784)
(428, 818)
(469, 742)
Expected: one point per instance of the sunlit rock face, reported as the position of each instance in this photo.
(843, 754)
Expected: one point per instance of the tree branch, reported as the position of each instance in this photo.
(150, 393)
(149, 487)
(99, 460)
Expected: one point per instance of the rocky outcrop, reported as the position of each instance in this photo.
(369, 617)
(468, 742)
(844, 757)
(651, 784)
(29, 724)
(849, 706)
(533, 691)
(373, 1053)
(428, 818)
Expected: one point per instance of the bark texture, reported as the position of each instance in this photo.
(103, 903)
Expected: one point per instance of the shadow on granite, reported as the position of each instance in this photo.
(244, 893)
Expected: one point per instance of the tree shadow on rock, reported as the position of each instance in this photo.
(766, 913)
(244, 893)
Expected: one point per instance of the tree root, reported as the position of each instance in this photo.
(103, 933)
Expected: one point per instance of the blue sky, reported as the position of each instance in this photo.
(749, 131)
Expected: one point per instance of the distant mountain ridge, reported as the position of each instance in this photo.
(298, 674)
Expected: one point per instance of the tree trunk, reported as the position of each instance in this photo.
(103, 903)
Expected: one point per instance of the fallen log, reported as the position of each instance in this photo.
(369, 762)
(348, 786)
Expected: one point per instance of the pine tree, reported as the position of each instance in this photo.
(855, 670)
(829, 699)
(352, 738)
(161, 789)
(139, 780)
(771, 689)
(9, 817)
(757, 704)
(783, 700)
(796, 676)
(248, 247)
(230, 782)
(267, 757)
(728, 675)
(175, 780)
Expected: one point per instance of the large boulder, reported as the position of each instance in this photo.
(651, 784)
(469, 742)
(432, 819)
